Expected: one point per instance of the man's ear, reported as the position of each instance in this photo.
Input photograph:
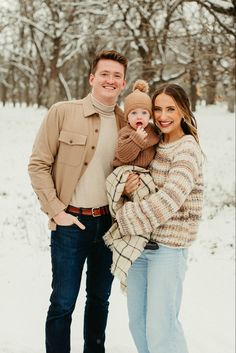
(123, 84)
(91, 78)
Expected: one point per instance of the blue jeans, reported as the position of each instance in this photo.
(154, 296)
(70, 247)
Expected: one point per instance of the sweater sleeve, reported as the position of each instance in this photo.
(137, 218)
(129, 146)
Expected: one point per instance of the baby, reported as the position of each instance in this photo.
(137, 141)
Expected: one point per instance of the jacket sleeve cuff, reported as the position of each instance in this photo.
(53, 208)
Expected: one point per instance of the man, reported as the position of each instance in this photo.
(70, 161)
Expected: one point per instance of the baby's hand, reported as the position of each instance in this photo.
(141, 132)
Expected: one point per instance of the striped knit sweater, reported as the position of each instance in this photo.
(172, 214)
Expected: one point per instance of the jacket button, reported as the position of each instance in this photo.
(70, 141)
(85, 163)
(93, 147)
(96, 130)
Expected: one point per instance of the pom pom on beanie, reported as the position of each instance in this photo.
(141, 85)
(138, 98)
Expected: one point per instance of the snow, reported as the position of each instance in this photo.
(208, 303)
(226, 4)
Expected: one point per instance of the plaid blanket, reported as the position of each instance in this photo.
(125, 248)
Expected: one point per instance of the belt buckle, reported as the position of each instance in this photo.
(93, 214)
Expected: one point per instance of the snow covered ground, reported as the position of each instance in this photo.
(208, 303)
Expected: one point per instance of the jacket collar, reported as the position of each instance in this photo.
(89, 109)
(119, 112)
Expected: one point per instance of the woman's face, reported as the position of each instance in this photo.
(168, 117)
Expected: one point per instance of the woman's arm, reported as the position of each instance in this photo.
(145, 216)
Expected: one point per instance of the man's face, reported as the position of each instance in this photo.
(108, 81)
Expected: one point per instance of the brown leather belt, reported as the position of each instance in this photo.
(94, 211)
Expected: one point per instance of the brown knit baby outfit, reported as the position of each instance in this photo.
(133, 150)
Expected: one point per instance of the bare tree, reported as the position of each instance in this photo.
(46, 46)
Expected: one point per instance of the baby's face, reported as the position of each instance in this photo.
(138, 117)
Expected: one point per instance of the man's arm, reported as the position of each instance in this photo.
(41, 161)
(44, 152)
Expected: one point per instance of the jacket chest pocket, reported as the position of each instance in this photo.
(72, 148)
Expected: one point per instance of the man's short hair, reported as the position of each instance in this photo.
(109, 55)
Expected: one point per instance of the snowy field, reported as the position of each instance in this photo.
(208, 303)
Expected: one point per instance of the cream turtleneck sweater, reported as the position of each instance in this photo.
(91, 189)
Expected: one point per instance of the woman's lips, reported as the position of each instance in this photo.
(165, 123)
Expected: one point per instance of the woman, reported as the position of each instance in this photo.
(171, 215)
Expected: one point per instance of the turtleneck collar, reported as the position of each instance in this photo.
(102, 108)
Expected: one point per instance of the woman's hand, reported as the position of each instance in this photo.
(66, 219)
(132, 183)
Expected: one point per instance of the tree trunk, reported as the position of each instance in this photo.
(12, 71)
(65, 86)
(193, 78)
(211, 85)
(53, 80)
(27, 92)
(52, 92)
(3, 90)
(193, 96)
(39, 84)
(231, 98)
(231, 101)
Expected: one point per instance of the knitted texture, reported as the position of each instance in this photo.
(172, 214)
(125, 248)
(133, 150)
(138, 98)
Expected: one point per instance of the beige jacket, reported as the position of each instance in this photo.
(63, 148)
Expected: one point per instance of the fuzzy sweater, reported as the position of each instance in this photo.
(133, 150)
(171, 214)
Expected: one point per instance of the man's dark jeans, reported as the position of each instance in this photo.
(70, 247)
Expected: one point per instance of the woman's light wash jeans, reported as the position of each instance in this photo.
(154, 296)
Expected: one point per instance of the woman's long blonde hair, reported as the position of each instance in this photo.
(188, 122)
